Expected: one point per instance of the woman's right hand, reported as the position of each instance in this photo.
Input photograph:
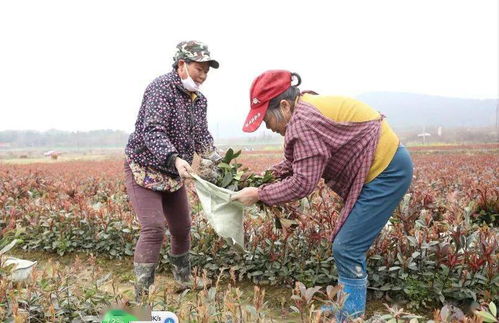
(247, 196)
(183, 168)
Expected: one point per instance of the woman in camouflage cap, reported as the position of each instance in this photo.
(171, 126)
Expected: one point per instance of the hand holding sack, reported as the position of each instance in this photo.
(183, 168)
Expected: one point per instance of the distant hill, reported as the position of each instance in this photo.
(406, 112)
(415, 110)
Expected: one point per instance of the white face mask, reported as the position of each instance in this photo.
(189, 83)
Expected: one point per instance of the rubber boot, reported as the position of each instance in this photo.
(181, 269)
(355, 304)
(144, 277)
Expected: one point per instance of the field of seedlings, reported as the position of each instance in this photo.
(437, 259)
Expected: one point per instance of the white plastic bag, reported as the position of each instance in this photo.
(21, 268)
(224, 215)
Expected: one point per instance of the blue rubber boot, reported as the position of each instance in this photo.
(355, 304)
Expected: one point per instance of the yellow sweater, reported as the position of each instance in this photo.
(343, 109)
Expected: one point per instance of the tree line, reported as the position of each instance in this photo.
(58, 138)
(53, 139)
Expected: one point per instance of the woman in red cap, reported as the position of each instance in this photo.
(352, 147)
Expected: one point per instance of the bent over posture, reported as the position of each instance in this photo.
(352, 147)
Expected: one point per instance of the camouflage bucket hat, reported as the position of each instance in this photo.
(195, 51)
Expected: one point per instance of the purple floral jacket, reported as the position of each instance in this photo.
(169, 123)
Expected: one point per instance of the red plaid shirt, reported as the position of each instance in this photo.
(317, 147)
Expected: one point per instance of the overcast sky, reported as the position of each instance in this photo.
(83, 65)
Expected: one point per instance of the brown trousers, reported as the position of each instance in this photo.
(154, 211)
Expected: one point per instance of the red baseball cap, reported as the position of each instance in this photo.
(264, 88)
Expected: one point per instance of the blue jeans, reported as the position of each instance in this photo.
(375, 205)
(371, 212)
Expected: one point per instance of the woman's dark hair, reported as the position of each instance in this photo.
(175, 64)
(289, 95)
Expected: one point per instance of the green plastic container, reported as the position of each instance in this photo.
(118, 316)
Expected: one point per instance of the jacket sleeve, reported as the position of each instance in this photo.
(203, 143)
(310, 156)
(157, 116)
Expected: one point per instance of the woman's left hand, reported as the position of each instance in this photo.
(247, 196)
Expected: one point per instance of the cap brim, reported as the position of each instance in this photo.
(213, 63)
(255, 118)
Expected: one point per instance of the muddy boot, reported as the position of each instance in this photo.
(181, 269)
(144, 277)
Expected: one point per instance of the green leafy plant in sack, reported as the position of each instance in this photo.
(234, 177)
